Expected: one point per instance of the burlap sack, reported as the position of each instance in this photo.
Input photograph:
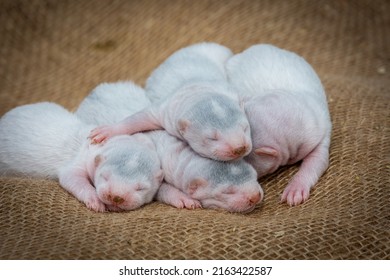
(59, 50)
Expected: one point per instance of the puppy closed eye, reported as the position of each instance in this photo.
(229, 191)
(213, 137)
(140, 188)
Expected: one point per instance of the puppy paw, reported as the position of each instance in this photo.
(101, 134)
(185, 202)
(190, 203)
(95, 204)
(295, 194)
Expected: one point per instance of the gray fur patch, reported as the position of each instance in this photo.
(217, 112)
(234, 173)
(131, 164)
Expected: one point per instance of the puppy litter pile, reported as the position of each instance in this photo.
(60, 50)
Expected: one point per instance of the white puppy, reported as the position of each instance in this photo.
(288, 114)
(193, 101)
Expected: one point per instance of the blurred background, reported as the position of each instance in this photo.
(59, 50)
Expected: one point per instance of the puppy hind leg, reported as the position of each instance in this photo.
(311, 169)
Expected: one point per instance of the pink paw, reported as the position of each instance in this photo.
(187, 203)
(295, 194)
(100, 134)
(95, 204)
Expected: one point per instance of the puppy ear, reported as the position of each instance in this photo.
(98, 160)
(266, 151)
(183, 125)
(159, 176)
(195, 184)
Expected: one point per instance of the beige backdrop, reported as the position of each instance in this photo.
(59, 50)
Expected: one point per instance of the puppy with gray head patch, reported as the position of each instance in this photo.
(193, 102)
(288, 114)
(190, 181)
(46, 140)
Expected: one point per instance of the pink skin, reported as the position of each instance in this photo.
(116, 200)
(172, 196)
(294, 140)
(286, 106)
(75, 180)
(133, 124)
(244, 203)
(230, 145)
(233, 143)
(142, 121)
(239, 198)
(50, 142)
(313, 166)
(192, 181)
(112, 191)
(115, 196)
(133, 187)
(200, 195)
(119, 196)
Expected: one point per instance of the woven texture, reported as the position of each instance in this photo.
(59, 50)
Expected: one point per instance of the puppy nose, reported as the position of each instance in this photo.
(255, 198)
(239, 151)
(116, 199)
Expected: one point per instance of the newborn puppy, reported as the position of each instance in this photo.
(288, 114)
(45, 140)
(191, 181)
(192, 101)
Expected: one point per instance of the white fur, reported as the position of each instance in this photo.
(187, 76)
(180, 163)
(202, 62)
(45, 140)
(37, 139)
(93, 109)
(287, 109)
(182, 166)
(189, 80)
